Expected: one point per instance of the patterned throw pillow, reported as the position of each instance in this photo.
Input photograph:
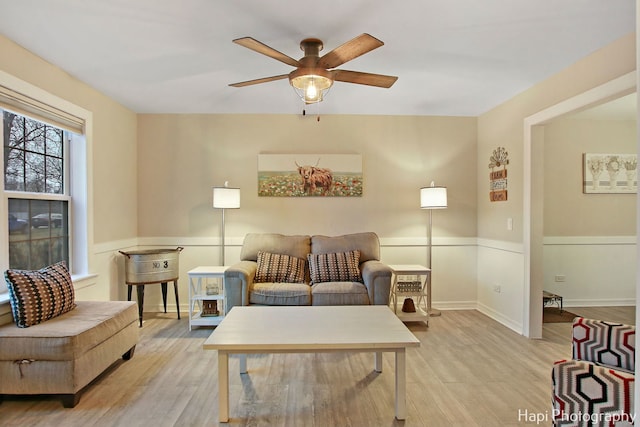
(39, 295)
(335, 267)
(279, 268)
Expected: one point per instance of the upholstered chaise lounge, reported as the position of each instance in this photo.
(62, 355)
(58, 345)
(276, 269)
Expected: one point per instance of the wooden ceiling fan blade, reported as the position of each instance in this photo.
(352, 49)
(360, 78)
(255, 45)
(258, 81)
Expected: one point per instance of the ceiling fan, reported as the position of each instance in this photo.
(314, 74)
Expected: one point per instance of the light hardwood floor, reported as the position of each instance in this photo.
(468, 371)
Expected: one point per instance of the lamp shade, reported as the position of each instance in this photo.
(433, 197)
(226, 198)
(311, 84)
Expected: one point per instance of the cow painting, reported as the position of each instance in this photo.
(314, 177)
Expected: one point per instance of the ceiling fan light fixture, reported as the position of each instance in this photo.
(312, 79)
(311, 84)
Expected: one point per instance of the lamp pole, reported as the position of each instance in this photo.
(225, 198)
(432, 311)
(222, 235)
(431, 198)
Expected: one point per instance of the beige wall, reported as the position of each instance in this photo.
(112, 168)
(567, 210)
(114, 140)
(504, 126)
(180, 157)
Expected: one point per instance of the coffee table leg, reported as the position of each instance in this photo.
(223, 386)
(401, 385)
(378, 361)
(243, 363)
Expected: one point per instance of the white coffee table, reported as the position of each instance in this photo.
(310, 329)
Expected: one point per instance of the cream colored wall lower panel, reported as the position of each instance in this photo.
(107, 274)
(500, 284)
(589, 271)
(453, 275)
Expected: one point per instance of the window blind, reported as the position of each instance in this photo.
(25, 105)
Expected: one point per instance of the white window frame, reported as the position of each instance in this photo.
(80, 180)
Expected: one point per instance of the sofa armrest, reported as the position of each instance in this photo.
(237, 279)
(377, 279)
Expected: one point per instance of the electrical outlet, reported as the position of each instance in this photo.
(560, 278)
(497, 289)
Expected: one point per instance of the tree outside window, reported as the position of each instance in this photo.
(34, 181)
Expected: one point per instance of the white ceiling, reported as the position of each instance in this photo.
(452, 57)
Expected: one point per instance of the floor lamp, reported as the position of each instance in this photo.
(431, 198)
(225, 198)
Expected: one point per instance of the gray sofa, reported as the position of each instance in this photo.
(370, 287)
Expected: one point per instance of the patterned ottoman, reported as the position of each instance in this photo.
(596, 388)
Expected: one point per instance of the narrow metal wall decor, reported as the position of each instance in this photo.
(498, 177)
(309, 175)
(609, 173)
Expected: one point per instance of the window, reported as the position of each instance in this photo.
(47, 161)
(35, 184)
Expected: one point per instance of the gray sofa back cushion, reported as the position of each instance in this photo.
(367, 243)
(296, 246)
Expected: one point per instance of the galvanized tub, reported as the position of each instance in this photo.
(151, 266)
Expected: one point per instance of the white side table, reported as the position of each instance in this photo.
(198, 295)
(421, 291)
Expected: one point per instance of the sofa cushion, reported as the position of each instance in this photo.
(280, 294)
(279, 268)
(367, 243)
(40, 295)
(335, 267)
(295, 246)
(69, 335)
(339, 293)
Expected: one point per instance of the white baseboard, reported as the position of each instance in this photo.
(500, 318)
(455, 305)
(622, 302)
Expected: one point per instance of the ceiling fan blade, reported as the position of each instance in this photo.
(352, 49)
(255, 45)
(369, 79)
(262, 80)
